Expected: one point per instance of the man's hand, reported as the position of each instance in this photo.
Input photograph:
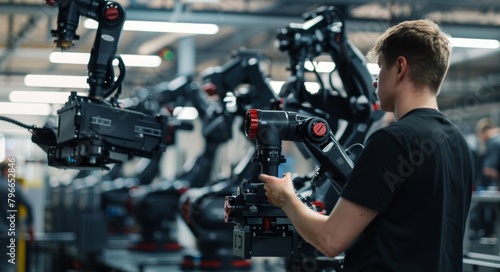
(278, 191)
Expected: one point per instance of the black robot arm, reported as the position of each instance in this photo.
(110, 17)
(92, 132)
(182, 90)
(270, 127)
(323, 32)
(260, 228)
(243, 68)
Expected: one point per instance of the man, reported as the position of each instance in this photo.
(5, 222)
(406, 201)
(489, 134)
(489, 165)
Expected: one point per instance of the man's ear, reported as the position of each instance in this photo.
(401, 66)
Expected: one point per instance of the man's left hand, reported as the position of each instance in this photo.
(279, 191)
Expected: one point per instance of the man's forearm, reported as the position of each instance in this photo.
(309, 224)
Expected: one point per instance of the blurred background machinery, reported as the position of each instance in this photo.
(162, 195)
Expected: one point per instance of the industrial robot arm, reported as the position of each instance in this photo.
(92, 131)
(110, 17)
(270, 127)
(323, 32)
(260, 228)
(244, 67)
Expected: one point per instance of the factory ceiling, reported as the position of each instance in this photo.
(25, 41)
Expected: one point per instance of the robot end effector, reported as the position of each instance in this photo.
(110, 16)
(91, 135)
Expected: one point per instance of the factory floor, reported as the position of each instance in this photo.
(123, 260)
(117, 257)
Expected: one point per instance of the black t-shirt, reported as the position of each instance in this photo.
(418, 174)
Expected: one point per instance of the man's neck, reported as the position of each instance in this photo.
(413, 99)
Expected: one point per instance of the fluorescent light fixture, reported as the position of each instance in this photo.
(83, 58)
(373, 68)
(40, 97)
(166, 27)
(185, 113)
(321, 67)
(276, 85)
(56, 81)
(312, 87)
(200, 1)
(69, 58)
(24, 108)
(475, 43)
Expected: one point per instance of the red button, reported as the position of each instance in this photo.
(319, 129)
(112, 13)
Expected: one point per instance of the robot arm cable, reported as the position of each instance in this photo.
(15, 122)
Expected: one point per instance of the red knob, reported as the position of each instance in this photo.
(111, 13)
(319, 129)
(252, 124)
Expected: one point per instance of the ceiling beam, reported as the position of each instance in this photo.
(26, 30)
(261, 20)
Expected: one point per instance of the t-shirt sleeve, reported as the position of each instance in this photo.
(374, 178)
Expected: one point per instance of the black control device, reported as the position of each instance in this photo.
(260, 228)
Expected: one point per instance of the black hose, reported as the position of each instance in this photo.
(15, 122)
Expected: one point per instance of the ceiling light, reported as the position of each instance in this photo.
(185, 113)
(321, 67)
(56, 81)
(475, 43)
(312, 87)
(83, 58)
(41, 97)
(24, 108)
(200, 1)
(167, 27)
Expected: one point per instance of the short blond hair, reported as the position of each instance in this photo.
(426, 48)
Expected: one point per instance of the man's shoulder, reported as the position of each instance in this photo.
(384, 136)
